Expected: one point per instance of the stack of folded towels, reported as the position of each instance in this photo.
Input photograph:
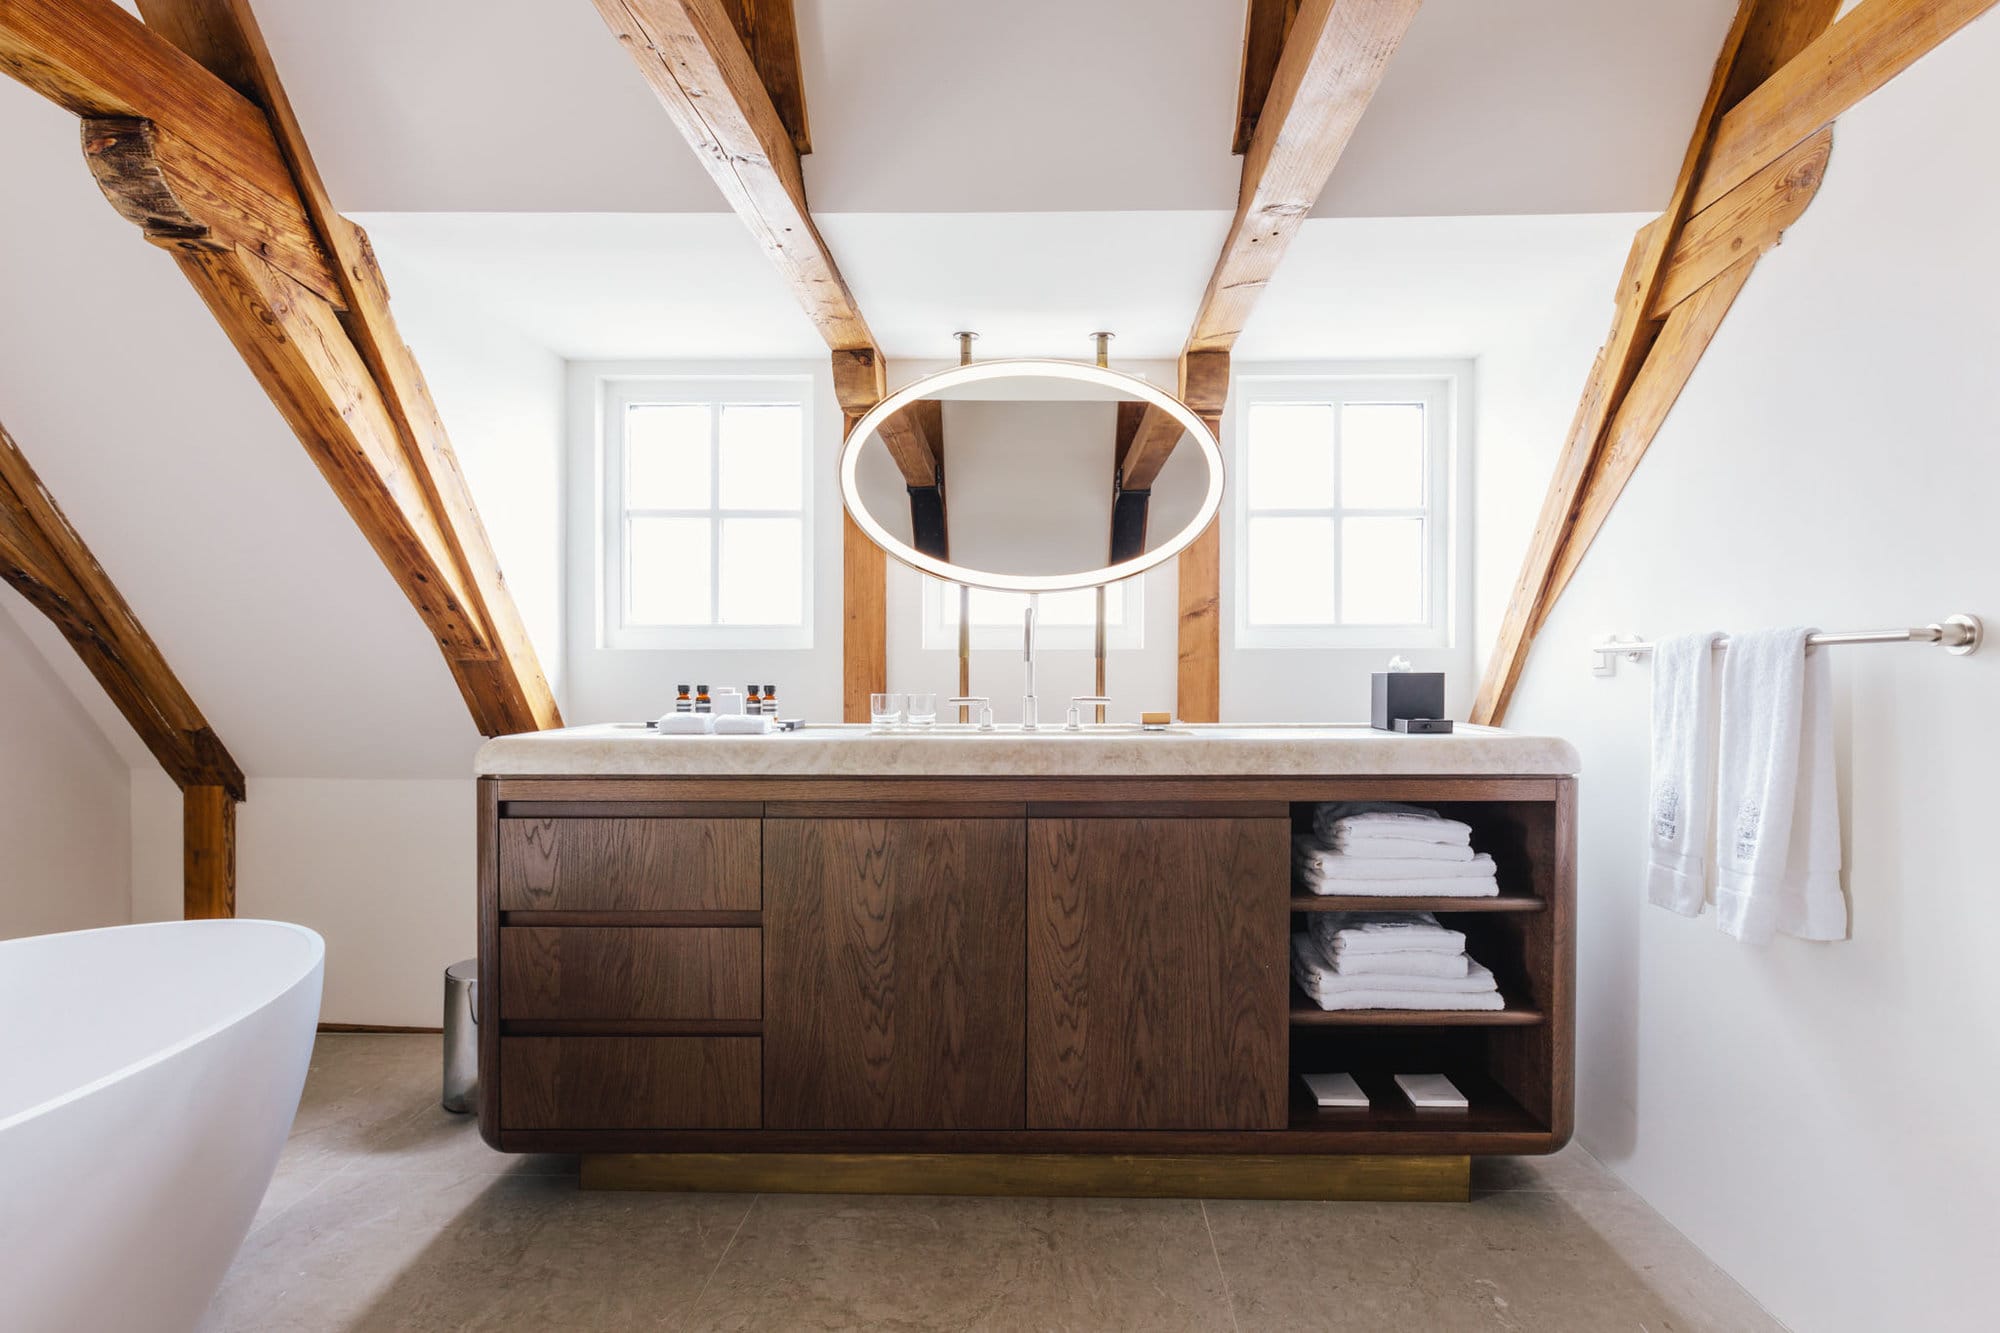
(1395, 851)
(1389, 960)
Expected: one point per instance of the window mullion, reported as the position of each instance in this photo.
(715, 513)
(1339, 528)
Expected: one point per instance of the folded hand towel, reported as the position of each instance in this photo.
(1683, 770)
(1405, 999)
(1386, 819)
(686, 724)
(1344, 933)
(1401, 963)
(1459, 887)
(1401, 849)
(1309, 855)
(1778, 819)
(743, 724)
(1316, 974)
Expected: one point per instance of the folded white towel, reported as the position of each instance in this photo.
(1402, 849)
(1309, 855)
(742, 724)
(1683, 761)
(1400, 888)
(1386, 819)
(686, 724)
(1318, 975)
(1401, 963)
(1345, 933)
(1778, 816)
(1404, 999)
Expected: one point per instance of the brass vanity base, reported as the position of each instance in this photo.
(1372, 1179)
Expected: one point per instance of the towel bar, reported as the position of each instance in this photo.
(1957, 635)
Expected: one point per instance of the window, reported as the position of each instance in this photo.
(1063, 619)
(1343, 536)
(706, 524)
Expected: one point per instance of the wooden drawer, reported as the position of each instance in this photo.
(664, 972)
(631, 865)
(631, 1082)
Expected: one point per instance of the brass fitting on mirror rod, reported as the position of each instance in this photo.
(1103, 341)
(964, 347)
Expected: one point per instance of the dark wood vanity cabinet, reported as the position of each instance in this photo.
(893, 974)
(1156, 972)
(738, 965)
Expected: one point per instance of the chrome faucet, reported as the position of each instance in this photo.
(1031, 711)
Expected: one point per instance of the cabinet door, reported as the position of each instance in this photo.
(894, 960)
(1157, 973)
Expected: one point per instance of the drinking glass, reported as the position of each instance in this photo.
(923, 710)
(885, 711)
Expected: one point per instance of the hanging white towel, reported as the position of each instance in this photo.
(1778, 818)
(1683, 772)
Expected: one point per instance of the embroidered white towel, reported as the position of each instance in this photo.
(1777, 819)
(1683, 772)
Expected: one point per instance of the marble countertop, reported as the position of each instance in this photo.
(1185, 750)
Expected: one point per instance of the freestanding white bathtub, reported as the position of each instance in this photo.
(148, 1078)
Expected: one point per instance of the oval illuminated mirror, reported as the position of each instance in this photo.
(1031, 476)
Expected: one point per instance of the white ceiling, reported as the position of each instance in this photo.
(1531, 106)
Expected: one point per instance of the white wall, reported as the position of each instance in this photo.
(64, 841)
(1814, 1115)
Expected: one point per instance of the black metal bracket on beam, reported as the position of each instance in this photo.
(1128, 524)
(927, 522)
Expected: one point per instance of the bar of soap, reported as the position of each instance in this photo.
(1155, 719)
(1432, 1092)
(1336, 1090)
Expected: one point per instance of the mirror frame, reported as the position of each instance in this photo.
(1019, 368)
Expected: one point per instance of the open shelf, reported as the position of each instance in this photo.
(1492, 1111)
(1307, 1014)
(1315, 902)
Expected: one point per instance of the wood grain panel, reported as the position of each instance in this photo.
(1157, 973)
(629, 864)
(583, 1083)
(894, 965)
(590, 972)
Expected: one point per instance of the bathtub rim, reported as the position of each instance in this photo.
(315, 964)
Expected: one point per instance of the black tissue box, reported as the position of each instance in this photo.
(1401, 695)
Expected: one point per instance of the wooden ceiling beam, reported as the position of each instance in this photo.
(692, 57)
(201, 150)
(45, 559)
(1333, 61)
(911, 445)
(1266, 24)
(770, 34)
(1746, 176)
(1153, 441)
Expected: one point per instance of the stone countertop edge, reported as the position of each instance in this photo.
(632, 750)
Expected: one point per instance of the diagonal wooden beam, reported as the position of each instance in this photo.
(1153, 440)
(1333, 60)
(696, 64)
(1755, 159)
(44, 558)
(200, 149)
(770, 34)
(1266, 24)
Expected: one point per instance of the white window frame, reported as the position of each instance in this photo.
(1438, 389)
(621, 393)
(1125, 633)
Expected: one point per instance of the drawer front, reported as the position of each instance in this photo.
(610, 972)
(630, 1082)
(631, 865)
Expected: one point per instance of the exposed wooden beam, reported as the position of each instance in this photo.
(911, 445)
(1266, 24)
(48, 562)
(208, 853)
(1743, 223)
(1152, 442)
(860, 382)
(770, 33)
(1685, 252)
(698, 67)
(1204, 387)
(1332, 62)
(211, 165)
(1873, 43)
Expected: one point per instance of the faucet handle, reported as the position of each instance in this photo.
(985, 714)
(1074, 721)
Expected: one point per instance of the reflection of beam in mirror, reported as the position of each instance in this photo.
(915, 439)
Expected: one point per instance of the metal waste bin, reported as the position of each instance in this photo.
(461, 1036)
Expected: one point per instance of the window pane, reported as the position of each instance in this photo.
(1291, 571)
(667, 571)
(1382, 571)
(761, 450)
(1291, 456)
(1382, 456)
(761, 563)
(666, 456)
